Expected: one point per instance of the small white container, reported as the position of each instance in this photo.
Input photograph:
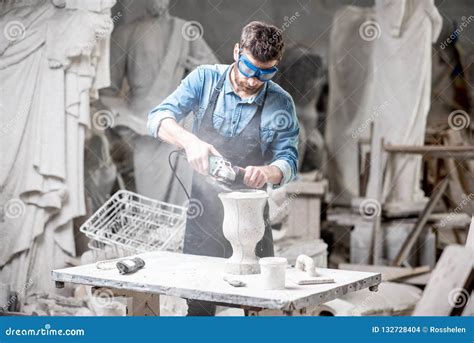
(273, 270)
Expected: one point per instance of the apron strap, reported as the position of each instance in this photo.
(211, 106)
(260, 107)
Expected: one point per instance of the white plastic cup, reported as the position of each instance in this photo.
(273, 270)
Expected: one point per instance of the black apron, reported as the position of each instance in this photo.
(204, 234)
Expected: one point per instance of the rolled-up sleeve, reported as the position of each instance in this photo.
(178, 104)
(285, 168)
(285, 143)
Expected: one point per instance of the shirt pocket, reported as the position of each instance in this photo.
(266, 135)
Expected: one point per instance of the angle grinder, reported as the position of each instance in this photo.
(222, 173)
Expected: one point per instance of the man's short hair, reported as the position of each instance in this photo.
(263, 41)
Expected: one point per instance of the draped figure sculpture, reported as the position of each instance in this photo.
(53, 60)
(149, 57)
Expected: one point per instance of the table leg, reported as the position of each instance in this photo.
(143, 304)
(138, 303)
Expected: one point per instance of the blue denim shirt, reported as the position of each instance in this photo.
(279, 125)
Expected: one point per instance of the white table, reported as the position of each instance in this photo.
(201, 278)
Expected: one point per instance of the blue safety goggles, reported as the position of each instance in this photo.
(249, 70)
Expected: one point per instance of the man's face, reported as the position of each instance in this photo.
(249, 85)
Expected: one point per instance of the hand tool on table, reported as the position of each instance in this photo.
(234, 282)
(130, 265)
(125, 265)
(307, 272)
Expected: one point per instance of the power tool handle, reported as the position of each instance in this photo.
(240, 173)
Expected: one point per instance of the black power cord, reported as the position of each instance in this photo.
(173, 168)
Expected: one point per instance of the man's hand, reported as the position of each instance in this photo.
(257, 177)
(197, 153)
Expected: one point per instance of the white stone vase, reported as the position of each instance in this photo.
(243, 227)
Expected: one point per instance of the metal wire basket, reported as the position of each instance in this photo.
(136, 224)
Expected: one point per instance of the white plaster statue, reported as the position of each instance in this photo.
(380, 72)
(348, 121)
(402, 79)
(149, 57)
(53, 59)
